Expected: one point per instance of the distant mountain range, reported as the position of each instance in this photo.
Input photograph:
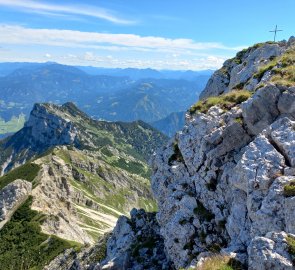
(137, 74)
(133, 73)
(109, 94)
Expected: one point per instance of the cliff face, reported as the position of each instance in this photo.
(222, 183)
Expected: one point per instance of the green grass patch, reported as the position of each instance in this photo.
(106, 152)
(24, 246)
(291, 247)
(289, 189)
(282, 68)
(132, 167)
(28, 172)
(239, 120)
(219, 262)
(225, 101)
(269, 66)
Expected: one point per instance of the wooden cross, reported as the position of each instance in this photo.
(275, 31)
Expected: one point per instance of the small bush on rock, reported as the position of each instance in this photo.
(291, 247)
(289, 190)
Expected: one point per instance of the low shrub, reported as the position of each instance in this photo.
(291, 247)
(289, 189)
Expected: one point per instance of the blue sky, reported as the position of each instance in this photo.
(162, 34)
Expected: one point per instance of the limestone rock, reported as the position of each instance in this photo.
(238, 72)
(136, 243)
(269, 252)
(11, 197)
(222, 187)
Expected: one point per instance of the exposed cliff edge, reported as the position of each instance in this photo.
(225, 184)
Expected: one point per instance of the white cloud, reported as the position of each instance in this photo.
(110, 50)
(13, 34)
(53, 9)
(90, 58)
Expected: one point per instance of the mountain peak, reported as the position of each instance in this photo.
(241, 71)
(50, 125)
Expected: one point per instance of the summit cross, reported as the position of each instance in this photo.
(275, 31)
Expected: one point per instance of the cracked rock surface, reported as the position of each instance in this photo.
(219, 183)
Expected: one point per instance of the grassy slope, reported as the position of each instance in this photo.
(282, 68)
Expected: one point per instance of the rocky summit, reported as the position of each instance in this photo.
(224, 185)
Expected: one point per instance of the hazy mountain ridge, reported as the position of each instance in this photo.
(149, 100)
(52, 83)
(111, 97)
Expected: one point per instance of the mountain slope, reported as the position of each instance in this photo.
(78, 176)
(50, 125)
(100, 174)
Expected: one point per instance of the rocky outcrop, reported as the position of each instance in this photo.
(238, 72)
(136, 243)
(54, 197)
(50, 129)
(91, 172)
(219, 183)
(11, 197)
(86, 259)
(269, 252)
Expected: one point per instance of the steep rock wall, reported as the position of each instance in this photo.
(220, 182)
